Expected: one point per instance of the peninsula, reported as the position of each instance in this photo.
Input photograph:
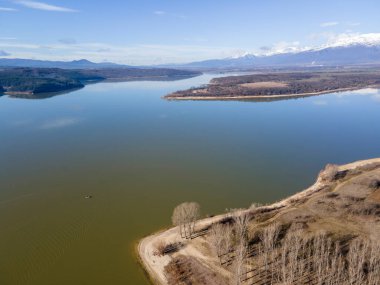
(26, 81)
(264, 86)
(327, 234)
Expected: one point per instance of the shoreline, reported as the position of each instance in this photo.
(265, 97)
(154, 265)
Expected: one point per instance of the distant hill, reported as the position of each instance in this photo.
(359, 54)
(354, 54)
(27, 81)
(75, 64)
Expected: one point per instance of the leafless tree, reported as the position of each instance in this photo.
(336, 270)
(356, 259)
(330, 172)
(178, 218)
(192, 210)
(241, 226)
(216, 236)
(239, 267)
(321, 256)
(185, 216)
(221, 241)
(268, 237)
(291, 263)
(227, 242)
(373, 277)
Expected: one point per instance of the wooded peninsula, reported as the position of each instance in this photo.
(279, 85)
(32, 81)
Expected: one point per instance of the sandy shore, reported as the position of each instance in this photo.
(154, 264)
(264, 97)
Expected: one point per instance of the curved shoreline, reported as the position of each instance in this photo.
(154, 265)
(265, 97)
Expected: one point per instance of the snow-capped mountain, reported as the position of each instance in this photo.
(346, 53)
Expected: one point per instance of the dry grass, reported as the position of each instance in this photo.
(264, 84)
(328, 236)
(188, 270)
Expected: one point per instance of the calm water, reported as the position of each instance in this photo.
(139, 156)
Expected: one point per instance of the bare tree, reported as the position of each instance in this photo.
(330, 172)
(336, 270)
(292, 267)
(185, 216)
(178, 218)
(356, 259)
(228, 240)
(268, 239)
(373, 277)
(217, 239)
(321, 256)
(193, 213)
(241, 225)
(239, 263)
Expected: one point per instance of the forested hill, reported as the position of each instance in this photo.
(48, 80)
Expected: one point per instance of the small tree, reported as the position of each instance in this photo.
(269, 238)
(241, 226)
(193, 213)
(185, 216)
(178, 219)
(239, 264)
(330, 172)
(217, 239)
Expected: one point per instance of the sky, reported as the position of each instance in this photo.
(176, 31)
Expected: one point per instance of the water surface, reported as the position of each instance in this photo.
(139, 156)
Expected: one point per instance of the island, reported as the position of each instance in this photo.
(263, 86)
(37, 82)
(326, 234)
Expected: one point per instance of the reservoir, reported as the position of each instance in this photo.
(85, 175)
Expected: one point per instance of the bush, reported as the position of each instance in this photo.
(163, 248)
(330, 173)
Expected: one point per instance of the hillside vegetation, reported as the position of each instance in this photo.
(281, 85)
(327, 234)
(46, 80)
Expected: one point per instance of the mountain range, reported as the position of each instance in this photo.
(358, 54)
(355, 54)
(75, 64)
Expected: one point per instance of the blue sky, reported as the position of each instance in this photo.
(168, 31)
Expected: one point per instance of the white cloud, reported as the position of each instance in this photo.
(284, 47)
(127, 54)
(329, 24)
(4, 53)
(159, 13)
(147, 54)
(43, 6)
(7, 39)
(326, 40)
(6, 9)
(353, 24)
(163, 13)
(59, 123)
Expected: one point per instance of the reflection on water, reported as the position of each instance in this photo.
(53, 94)
(41, 95)
(138, 156)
